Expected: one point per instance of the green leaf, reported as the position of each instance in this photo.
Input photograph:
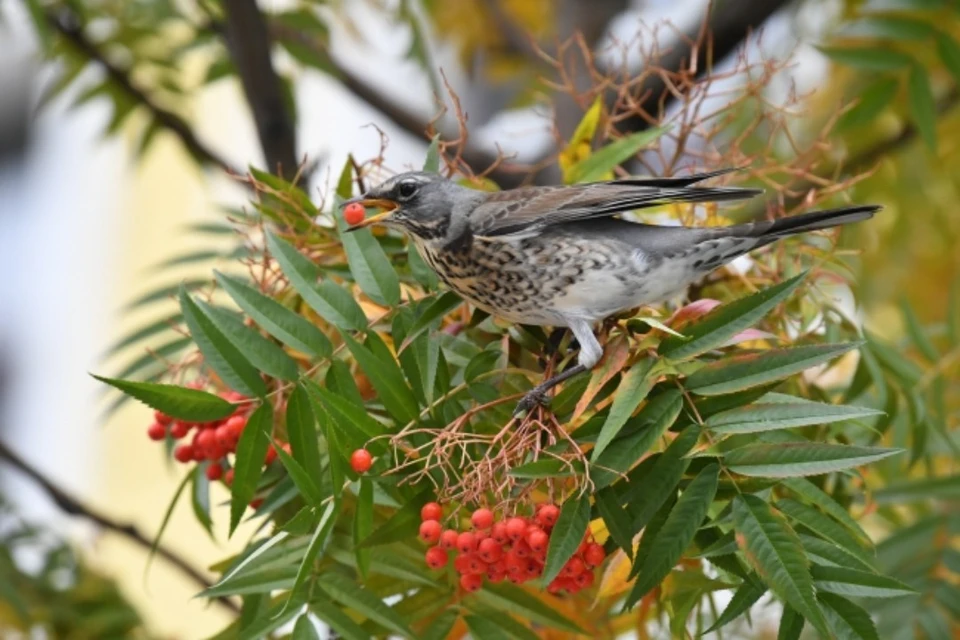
(825, 527)
(896, 27)
(949, 52)
(263, 354)
(923, 105)
(858, 584)
(387, 379)
(746, 595)
(868, 58)
(662, 481)
(306, 483)
(602, 161)
(715, 328)
(364, 602)
(200, 496)
(791, 459)
(248, 465)
(317, 543)
(179, 402)
(848, 621)
(332, 302)
(302, 431)
(815, 495)
(420, 270)
(667, 546)
(871, 102)
(485, 628)
(791, 625)
(219, 353)
(756, 418)
(643, 430)
(338, 620)
(917, 333)
(352, 422)
(512, 599)
(437, 309)
(263, 567)
(754, 369)
(616, 519)
(546, 468)
(432, 162)
(775, 553)
(166, 520)
(567, 535)
(304, 629)
(633, 388)
(403, 525)
(946, 488)
(166, 323)
(283, 324)
(363, 524)
(369, 265)
(440, 628)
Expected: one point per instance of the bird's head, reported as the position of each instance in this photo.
(423, 204)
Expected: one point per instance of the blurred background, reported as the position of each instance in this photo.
(125, 123)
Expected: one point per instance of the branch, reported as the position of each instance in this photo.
(248, 41)
(69, 505)
(67, 23)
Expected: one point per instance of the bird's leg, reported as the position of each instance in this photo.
(590, 354)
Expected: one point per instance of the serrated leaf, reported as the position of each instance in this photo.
(363, 524)
(364, 602)
(307, 484)
(775, 553)
(484, 628)
(431, 163)
(155, 543)
(740, 372)
(302, 431)
(616, 519)
(200, 496)
(293, 330)
(848, 621)
(248, 464)
(923, 105)
(263, 354)
(304, 629)
(906, 491)
(858, 584)
(317, 544)
(403, 525)
(607, 158)
(332, 302)
(192, 405)
(791, 459)
(338, 620)
(814, 494)
(825, 552)
(437, 309)
(546, 468)
(643, 430)
(791, 625)
(512, 599)
(871, 102)
(917, 333)
(824, 526)
(746, 595)
(567, 535)
(757, 418)
(676, 534)
(715, 328)
(387, 378)
(949, 52)
(662, 481)
(221, 355)
(868, 58)
(264, 566)
(633, 388)
(352, 422)
(369, 265)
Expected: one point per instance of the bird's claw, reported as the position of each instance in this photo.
(534, 398)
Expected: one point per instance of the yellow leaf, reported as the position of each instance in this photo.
(578, 148)
(614, 581)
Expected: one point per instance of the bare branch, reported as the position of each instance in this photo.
(67, 23)
(70, 505)
(248, 40)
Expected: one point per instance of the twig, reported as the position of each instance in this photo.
(67, 23)
(70, 505)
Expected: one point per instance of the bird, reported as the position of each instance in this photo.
(559, 256)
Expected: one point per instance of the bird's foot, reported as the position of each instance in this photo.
(534, 398)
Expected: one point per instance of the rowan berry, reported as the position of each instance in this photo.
(354, 213)
(431, 511)
(361, 460)
(157, 431)
(471, 582)
(436, 558)
(430, 531)
(482, 519)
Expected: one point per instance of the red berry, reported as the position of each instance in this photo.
(471, 582)
(594, 555)
(516, 528)
(354, 213)
(183, 453)
(361, 460)
(157, 431)
(460, 563)
(179, 429)
(224, 436)
(547, 515)
(255, 503)
(430, 531)
(206, 440)
(436, 558)
(532, 569)
(475, 564)
(482, 519)
(489, 550)
(162, 418)
(466, 542)
(573, 568)
(555, 586)
(496, 576)
(522, 549)
(537, 539)
(214, 471)
(448, 539)
(272, 455)
(228, 477)
(585, 579)
(499, 533)
(431, 511)
(515, 564)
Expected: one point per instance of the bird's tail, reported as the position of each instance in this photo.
(813, 221)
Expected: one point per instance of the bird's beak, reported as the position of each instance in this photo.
(388, 207)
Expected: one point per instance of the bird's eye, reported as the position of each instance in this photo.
(406, 190)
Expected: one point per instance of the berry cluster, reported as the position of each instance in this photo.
(211, 440)
(512, 549)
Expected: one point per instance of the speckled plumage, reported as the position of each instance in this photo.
(556, 255)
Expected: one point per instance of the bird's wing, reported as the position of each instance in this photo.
(526, 211)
